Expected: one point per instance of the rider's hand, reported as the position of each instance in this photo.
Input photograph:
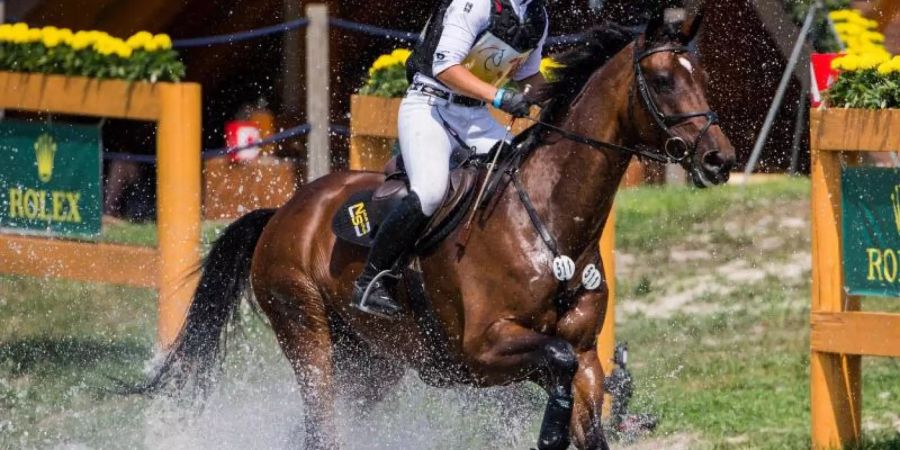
(512, 102)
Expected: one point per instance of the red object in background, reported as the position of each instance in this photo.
(821, 75)
(239, 133)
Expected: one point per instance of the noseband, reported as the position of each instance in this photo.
(675, 149)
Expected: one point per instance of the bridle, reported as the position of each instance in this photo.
(675, 149)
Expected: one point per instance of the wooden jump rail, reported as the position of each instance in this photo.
(175, 107)
(839, 333)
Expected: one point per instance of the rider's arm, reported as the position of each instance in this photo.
(464, 21)
(463, 81)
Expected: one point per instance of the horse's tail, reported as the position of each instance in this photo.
(224, 279)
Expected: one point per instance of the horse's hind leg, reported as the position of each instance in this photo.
(362, 377)
(301, 326)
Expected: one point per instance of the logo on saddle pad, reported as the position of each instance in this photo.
(360, 219)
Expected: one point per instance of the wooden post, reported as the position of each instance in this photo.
(2, 20)
(178, 204)
(292, 66)
(835, 389)
(317, 92)
(606, 342)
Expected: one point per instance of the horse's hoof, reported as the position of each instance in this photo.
(554, 442)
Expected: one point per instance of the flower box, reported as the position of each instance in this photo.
(874, 130)
(136, 100)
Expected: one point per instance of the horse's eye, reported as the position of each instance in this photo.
(663, 83)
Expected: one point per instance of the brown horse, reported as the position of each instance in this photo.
(497, 302)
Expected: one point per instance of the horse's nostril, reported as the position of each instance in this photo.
(713, 160)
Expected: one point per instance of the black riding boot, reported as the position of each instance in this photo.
(396, 236)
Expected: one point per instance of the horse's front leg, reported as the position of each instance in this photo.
(580, 326)
(509, 347)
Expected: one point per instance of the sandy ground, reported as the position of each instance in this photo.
(758, 248)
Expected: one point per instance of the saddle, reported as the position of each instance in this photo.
(357, 220)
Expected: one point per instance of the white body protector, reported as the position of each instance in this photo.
(464, 37)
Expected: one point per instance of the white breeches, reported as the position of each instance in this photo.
(426, 145)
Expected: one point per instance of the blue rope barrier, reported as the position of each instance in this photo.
(240, 36)
(405, 36)
(567, 39)
(297, 131)
(372, 30)
(340, 130)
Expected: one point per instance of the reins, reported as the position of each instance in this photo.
(601, 145)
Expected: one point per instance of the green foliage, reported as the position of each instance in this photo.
(865, 89)
(94, 54)
(387, 82)
(387, 76)
(162, 65)
(822, 37)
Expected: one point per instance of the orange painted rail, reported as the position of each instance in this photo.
(175, 107)
(839, 333)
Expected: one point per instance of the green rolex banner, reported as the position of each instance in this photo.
(50, 178)
(871, 230)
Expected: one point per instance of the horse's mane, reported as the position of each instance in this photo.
(602, 43)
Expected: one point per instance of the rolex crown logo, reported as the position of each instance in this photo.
(45, 150)
(895, 204)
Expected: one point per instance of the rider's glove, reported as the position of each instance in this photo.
(512, 102)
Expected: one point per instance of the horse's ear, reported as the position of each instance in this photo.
(691, 27)
(655, 28)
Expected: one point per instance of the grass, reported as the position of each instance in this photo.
(651, 217)
(738, 375)
(144, 234)
(732, 372)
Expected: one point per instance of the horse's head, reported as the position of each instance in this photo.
(670, 107)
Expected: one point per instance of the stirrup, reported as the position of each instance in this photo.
(365, 295)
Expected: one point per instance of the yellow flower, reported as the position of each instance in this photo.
(848, 29)
(124, 51)
(847, 63)
(65, 35)
(548, 65)
(139, 39)
(6, 32)
(889, 67)
(843, 15)
(872, 36)
(401, 54)
(384, 61)
(104, 46)
(33, 35)
(81, 40)
(50, 36)
(872, 60)
(163, 41)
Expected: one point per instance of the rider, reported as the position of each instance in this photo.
(469, 50)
